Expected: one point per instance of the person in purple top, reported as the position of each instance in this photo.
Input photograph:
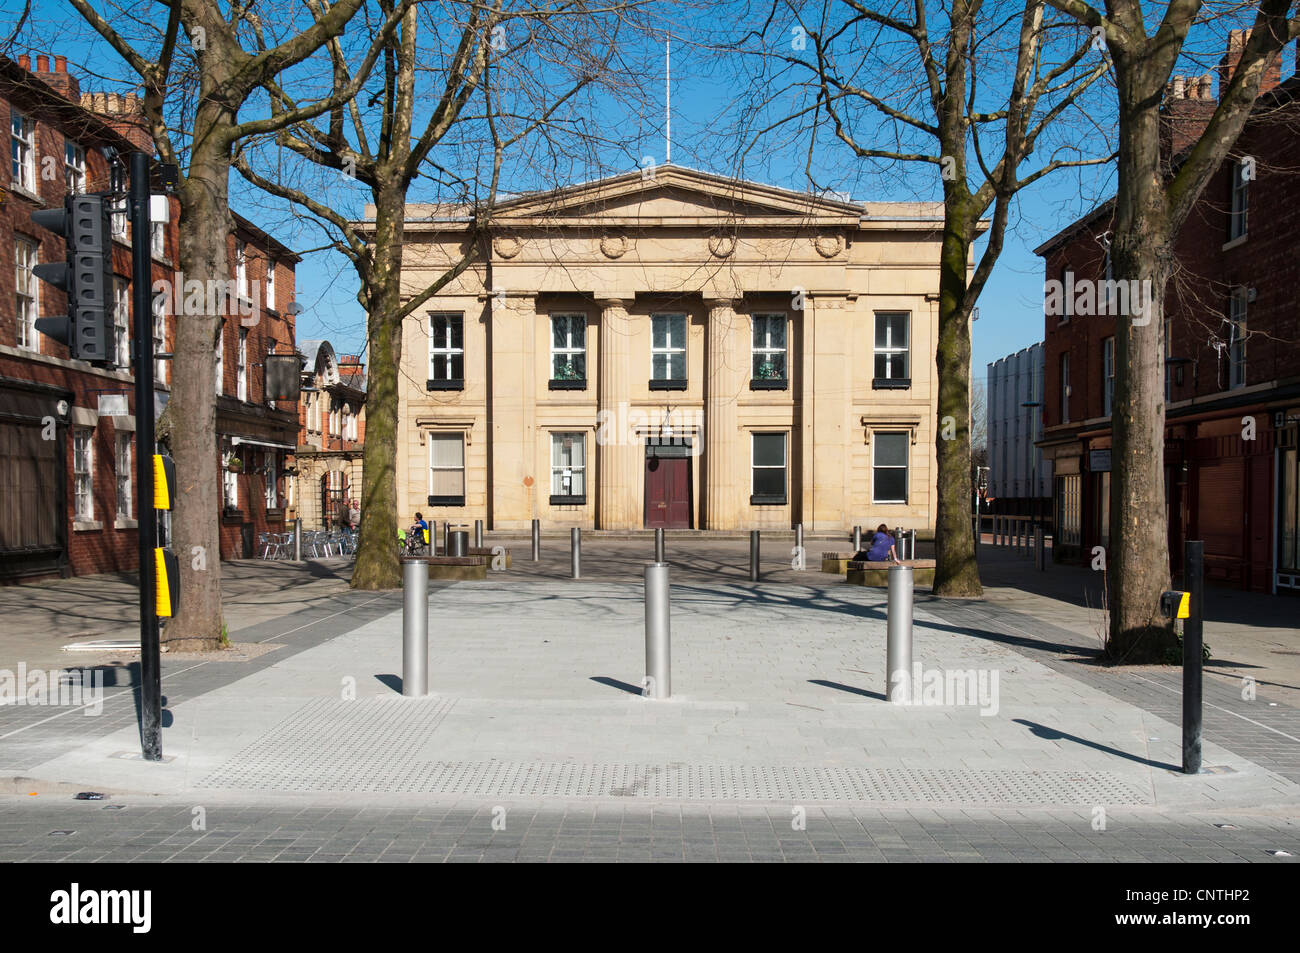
(882, 547)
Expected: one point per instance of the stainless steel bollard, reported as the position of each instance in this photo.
(659, 546)
(458, 544)
(898, 651)
(658, 632)
(537, 540)
(297, 540)
(911, 544)
(575, 552)
(857, 539)
(415, 627)
(798, 544)
(900, 542)
(446, 537)
(753, 555)
(478, 534)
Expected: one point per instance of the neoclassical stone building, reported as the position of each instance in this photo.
(673, 349)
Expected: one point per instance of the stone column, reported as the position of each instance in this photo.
(726, 366)
(618, 504)
(514, 411)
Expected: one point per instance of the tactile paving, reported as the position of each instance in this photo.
(374, 745)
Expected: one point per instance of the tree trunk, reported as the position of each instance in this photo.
(956, 571)
(377, 565)
(204, 227)
(1142, 249)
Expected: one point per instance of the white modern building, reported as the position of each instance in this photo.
(1019, 480)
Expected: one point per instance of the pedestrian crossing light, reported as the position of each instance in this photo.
(164, 481)
(1176, 604)
(167, 583)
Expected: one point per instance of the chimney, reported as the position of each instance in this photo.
(25, 62)
(124, 113)
(1186, 112)
(1232, 56)
(59, 80)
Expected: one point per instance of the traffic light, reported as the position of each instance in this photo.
(167, 571)
(85, 277)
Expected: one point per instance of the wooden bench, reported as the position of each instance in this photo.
(836, 562)
(863, 573)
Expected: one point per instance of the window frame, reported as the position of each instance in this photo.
(572, 320)
(270, 471)
(568, 499)
(1238, 203)
(220, 361)
(83, 478)
(121, 322)
(769, 499)
(906, 466)
(22, 151)
(159, 332)
(431, 439)
(241, 270)
(1237, 333)
(767, 320)
(669, 350)
(269, 283)
(889, 350)
(123, 470)
(25, 334)
(1065, 387)
(74, 167)
(446, 351)
(1107, 375)
(241, 366)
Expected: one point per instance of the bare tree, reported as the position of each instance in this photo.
(225, 75)
(1152, 203)
(897, 88)
(513, 72)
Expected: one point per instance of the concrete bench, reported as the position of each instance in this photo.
(487, 551)
(863, 573)
(836, 562)
(458, 567)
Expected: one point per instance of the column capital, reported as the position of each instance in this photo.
(607, 303)
(718, 301)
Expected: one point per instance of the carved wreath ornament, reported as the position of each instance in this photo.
(722, 246)
(828, 246)
(507, 246)
(613, 246)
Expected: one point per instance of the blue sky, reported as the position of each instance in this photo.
(708, 98)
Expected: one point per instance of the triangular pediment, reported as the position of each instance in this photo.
(675, 196)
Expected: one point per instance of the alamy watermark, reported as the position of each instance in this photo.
(946, 688)
(1087, 297)
(72, 688)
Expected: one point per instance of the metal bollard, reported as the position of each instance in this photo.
(659, 546)
(446, 537)
(900, 542)
(898, 650)
(911, 544)
(415, 627)
(658, 632)
(857, 539)
(798, 544)
(537, 540)
(1039, 555)
(478, 534)
(297, 540)
(1193, 634)
(753, 555)
(575, 552)
(458, 544)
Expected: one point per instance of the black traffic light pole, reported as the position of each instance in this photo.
(146, 518)
(1193, 641)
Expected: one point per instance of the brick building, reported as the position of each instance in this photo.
(1232, 345)
(67, 428)
(331, 435)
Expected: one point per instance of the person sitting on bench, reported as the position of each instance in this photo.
(882, 548)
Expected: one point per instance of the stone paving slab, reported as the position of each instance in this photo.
(776, 677)
(321, 829)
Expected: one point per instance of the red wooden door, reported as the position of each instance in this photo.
(667, 493)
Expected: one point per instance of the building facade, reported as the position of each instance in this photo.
(1232, 366)
(67, 428)
(674, 350)
(331, 436)
(1019, 480)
